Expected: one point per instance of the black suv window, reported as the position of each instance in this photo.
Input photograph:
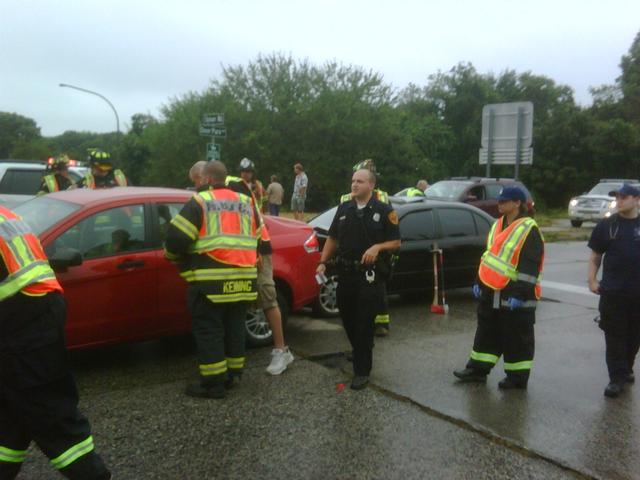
(18, 181)
(457, 222)
(417, 226)
(478, 192)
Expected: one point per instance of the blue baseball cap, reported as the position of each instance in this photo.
(625, 189)
(512, 193)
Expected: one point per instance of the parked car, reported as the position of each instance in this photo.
(481, 192)
(106, 248)
(597, 203)
(20, 180)
(460, 230)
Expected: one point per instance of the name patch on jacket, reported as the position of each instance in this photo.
(237, 286)
(228, 206)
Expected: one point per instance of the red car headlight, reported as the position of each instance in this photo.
(312, 244)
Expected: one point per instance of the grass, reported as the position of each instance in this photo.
(544, 218)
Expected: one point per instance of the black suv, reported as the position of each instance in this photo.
(481, 192)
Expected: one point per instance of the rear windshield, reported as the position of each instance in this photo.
(446, 189)
(42, 213)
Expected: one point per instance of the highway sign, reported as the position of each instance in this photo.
(213, 151)
(207, 131)
(211, 119)
(507, 125)
(505, 157)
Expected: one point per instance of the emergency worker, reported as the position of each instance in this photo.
(38, 395)
(59, 178)
(214, 239)
(383, 319)
(363, 233)
(617, 238)
(418, 190)
(102, 174)
(508, 289)
(248, 174)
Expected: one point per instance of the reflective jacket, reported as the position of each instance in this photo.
(222, 231)
(499, 264)
(27, 268)
(51, 183)
(379, 195)
(415, 192)
(89, 180)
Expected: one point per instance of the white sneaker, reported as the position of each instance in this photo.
(280, 359)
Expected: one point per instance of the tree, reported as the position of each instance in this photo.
(629, 81)
(16, 130)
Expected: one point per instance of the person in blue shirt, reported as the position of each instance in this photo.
(617, 239)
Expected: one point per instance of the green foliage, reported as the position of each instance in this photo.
(16, 131)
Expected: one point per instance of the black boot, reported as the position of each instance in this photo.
(198, 390)
(510, 383)
(471, 375)
(613, 390)
(359, 382)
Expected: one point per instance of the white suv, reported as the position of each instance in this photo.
(597, 204)
(20, 180)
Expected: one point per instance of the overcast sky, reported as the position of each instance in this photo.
(141, 53)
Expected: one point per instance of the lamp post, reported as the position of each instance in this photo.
(102, 97)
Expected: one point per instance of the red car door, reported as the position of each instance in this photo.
(111, 296)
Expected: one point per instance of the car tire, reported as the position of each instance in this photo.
(326, 305)
(257, 330)
(576, 223)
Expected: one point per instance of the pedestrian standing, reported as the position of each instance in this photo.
(363, 233)
(215, 238)
(38, 395)
(508, 288)
(299, 195)
(617, 239)
(275, 193)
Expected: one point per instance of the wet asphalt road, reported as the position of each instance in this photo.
(414, 421)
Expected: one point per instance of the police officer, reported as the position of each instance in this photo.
(214, 237)
(102, 174)
(618, 239)
(508, 289)
(59, 178)
(38, 395)
(383, 319)
(363, 233)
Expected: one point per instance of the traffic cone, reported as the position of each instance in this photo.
(435, 305)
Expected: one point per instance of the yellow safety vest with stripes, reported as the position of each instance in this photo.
(121, 179)
(380, 195)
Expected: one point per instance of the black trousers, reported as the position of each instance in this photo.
(359, 303)
(219, 332)
(620, 321)
(504, 332)
(38, 395)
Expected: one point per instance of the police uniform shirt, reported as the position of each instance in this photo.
(619, 240)
(358, 229)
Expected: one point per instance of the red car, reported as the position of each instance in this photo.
(106, 248)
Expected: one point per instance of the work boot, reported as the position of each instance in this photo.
(359, 382)
(381, 331)
(470, 375)
(232, 381)
(613, 389)
(509, 383)
(197, 390)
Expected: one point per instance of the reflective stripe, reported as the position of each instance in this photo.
(496, 299)
(345, 198)
(12, 228)
(89, 181)
(33, 273)
(12, 456)
(209, 369)
(233, 297)
(236, 242)
(527, 278)
(73, 454)
(484, 357)
(382, 319)
(185, 226)
(52, 183)
(235, 363)
(525, 365)
(120, 177)
(205, 274)
(527, 304)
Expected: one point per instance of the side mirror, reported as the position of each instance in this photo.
(62, 259)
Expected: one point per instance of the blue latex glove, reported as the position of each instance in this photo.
(476, 291)
(515, 303)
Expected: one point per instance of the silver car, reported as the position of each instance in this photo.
(597, 203)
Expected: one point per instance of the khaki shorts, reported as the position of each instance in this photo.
(267, 297)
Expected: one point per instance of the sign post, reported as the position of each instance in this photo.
(212, 125)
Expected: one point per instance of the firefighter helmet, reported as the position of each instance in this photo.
(100, 158)
(247, 165)
(367, 164)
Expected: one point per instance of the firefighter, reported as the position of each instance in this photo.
(215, 239)
(248, 174)
(363, 233)
(59, 178)
(102, 174)
(419, 189)
(508, 289)
(383, 319)
(38, 395)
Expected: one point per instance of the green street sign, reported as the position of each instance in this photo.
(211, 119)
(213, 151)
(220, 132)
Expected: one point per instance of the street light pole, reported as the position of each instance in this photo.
(102, 97)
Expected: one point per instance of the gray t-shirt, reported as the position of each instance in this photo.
(275, 192)
(300, 182)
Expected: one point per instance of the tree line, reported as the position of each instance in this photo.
(280, 111)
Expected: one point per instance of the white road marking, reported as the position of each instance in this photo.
(566, 287)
